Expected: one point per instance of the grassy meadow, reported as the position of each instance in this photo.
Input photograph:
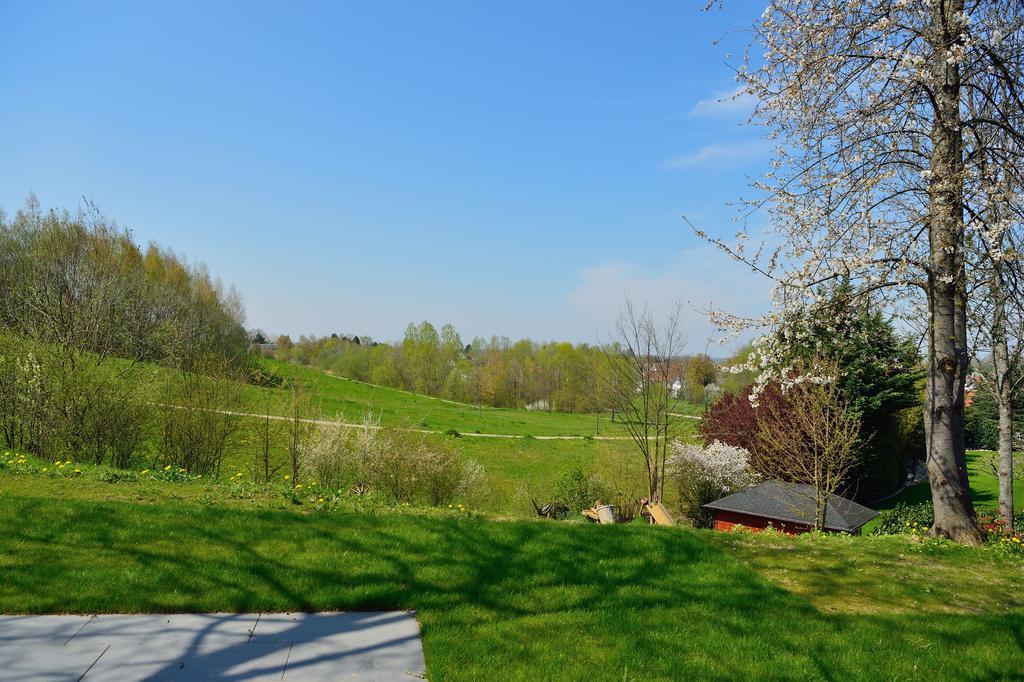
(523, 451)
(530, 598)
(340, 397)
(533, 599)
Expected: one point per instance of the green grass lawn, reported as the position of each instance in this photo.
(517, 467)
(527, 600)
(353, 399)
(984, 489)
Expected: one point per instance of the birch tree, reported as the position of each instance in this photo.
(866, 101)
(644, 362)
(997, 310)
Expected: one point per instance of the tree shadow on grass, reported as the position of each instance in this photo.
(534, 600)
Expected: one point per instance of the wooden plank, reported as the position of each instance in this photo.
(660, 514)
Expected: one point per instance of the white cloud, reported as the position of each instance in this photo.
(720, 156)
(700, 279)
(730, 103)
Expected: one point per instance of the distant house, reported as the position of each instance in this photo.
(669, 374)
(788, 507)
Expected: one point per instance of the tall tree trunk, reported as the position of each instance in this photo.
(1004, 398)
(948, 360)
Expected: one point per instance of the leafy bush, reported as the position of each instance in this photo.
(577, 489)
(903, 516)
(439, 473)
(106, 416)
(402, 466)
(733, 420)
(259, 375)
(392, 465)
(916, 519)
(58, 402)
(992, 523)
(981, 432)
(329, 457)
(199, 422)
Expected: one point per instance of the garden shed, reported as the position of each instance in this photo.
(788, 507)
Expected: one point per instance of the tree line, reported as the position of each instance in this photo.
(82, 310)
(80, 283)
(496, 372)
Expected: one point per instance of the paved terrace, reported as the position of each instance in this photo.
(257, 646)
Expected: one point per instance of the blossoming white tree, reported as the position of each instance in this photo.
(704, 474)
(996, 314)
(868, 102)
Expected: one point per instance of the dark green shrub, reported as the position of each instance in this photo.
(258, 375)
(119, 476)
(981, 432)
(453, 433)
(902, 516)
(199, 421)
(577, 489)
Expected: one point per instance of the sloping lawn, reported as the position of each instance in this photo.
(536, 600)
(352, 399)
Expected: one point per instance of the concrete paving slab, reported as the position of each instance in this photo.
(170, 627)
(153, 660)
(297, 646)
(43, 648)
(349, 645)
(20, 630)
(48, 662)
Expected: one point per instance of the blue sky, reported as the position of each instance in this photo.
(513, 168)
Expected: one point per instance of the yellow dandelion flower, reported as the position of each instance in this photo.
(45, 470)
(167, 468)
(321, 500)
(287, 477)
(145, 471)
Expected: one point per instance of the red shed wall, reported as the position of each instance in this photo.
(727, 520)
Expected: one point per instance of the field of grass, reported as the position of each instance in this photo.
(534, 600)
(523, 465)
(984, 489)
(338, 396)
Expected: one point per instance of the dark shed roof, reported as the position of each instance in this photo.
(794, 502)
